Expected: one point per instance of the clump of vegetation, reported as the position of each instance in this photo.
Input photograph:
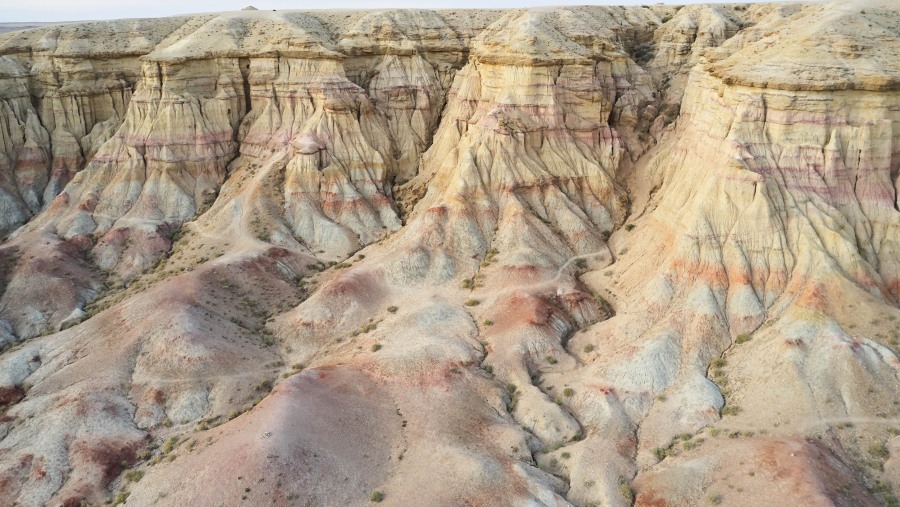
(513, 397)
(568, 392)
(886, 492)
(472, 302)
(625, 490)
(489, 257)
(466, 284)
(629, 227)
(377, 496)
(392, 309)
(742, 338)
(731, 410)
(368, 327)
(581, 263)
(588, 348)
(120, 498)
(134, 475)
(714, 498)
(879, 451)
(170, 444)
(488, 323)
(376, 347)
(551, 359)
(643, 53)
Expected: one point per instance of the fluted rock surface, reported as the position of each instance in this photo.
(552, 256)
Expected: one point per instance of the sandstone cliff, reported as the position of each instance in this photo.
(552, 256)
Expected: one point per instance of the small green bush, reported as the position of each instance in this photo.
(625, 490)
(731, 410)
(392, 309)
(121, 497)
(879, 451)
(376, 347)
(742, 338)
(377, 496)
(472, 302)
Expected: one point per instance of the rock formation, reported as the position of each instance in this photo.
(551, 256)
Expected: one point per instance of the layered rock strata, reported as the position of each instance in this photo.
(547, 256)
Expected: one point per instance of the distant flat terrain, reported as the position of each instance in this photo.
(25, 25)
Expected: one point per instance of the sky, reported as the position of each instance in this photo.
(76, 10)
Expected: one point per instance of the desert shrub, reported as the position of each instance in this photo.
(731, 410)
(879, 451)
(625, 490)
(121, 497)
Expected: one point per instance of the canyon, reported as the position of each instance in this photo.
(594, 255)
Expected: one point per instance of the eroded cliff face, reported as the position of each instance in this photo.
(588, 256)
